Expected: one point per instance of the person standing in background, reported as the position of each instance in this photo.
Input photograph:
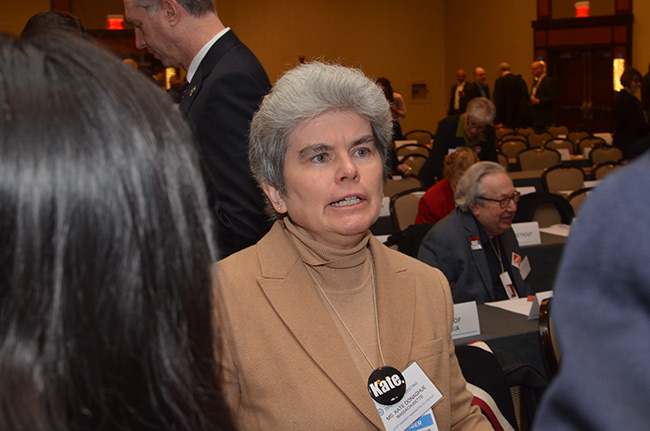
(630, 122)
(510, 93)
(543, 95)
(478, 88)
(645, 92)
(226, 85)
(397, 107)
(457, 94)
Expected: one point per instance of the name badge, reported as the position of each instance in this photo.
(414, 410)
(507, 285)
(475, 243)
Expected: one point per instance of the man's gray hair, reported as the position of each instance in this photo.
(481, 109)
(196, 8)
(504, 66)
(301, 94)
(470, 188)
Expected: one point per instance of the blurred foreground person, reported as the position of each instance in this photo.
(105, 296)
(318, 305)
(601, 312)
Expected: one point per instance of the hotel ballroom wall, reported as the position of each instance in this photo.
(411, 42)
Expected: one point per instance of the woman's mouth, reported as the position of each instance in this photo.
(352, 200)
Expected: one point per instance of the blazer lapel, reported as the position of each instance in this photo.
(395, 305)
(220, 47)
(309, 320)
(478, 256)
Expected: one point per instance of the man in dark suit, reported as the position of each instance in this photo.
(475, 246)
(457, 94)
(471, 130)
(543, 95)
(510, 93)
(478, 88)
(226, 86)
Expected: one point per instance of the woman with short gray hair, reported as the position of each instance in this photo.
(318, 309)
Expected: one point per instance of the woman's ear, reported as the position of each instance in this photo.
(275, 197)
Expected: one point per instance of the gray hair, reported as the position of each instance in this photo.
(301, 94)
(470, 188)
(504, 66)
(196, 8)
(481, 109)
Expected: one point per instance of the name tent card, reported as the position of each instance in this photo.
(539, 297)
(466, 321)
(527, 233)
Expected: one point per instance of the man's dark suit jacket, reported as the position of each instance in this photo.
(509, 94)
(544, 111)
(445, 140)
(630, 124)
(219, 104)
(461, 101)
(472, 91)
(448, 247)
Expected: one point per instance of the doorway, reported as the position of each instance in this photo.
(585, 87)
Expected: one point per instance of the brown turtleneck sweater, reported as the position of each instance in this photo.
(345, 275)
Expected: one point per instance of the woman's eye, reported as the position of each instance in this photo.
(362, 152)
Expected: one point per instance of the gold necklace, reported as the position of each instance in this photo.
(374, 296)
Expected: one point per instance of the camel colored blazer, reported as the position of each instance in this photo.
(285, 364)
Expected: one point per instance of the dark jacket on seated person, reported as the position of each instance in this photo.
(450, 135)
(459, 246)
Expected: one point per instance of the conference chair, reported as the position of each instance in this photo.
(550, 346)
(556, 131)
(560, 144)
(536, 140)
(538, 159)
(547, 209)
(563, 178)
(404, 207)
(526, 131)
(512, 146)
(576, 198)
(500, 132)
(408, 149)
(605, 153)
(415, 161)
(424, 137)
(589, 142)
(392, 187)
(599, 171)
(503, 160)
(575, 136)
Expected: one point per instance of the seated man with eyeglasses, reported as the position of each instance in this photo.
(471, 129)
(475, 246)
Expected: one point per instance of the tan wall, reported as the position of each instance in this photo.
(15, 14)
(641, 35)
(485, 34)
(421, 41)
(403, 41)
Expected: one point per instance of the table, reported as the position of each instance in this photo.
(510, 332)
(544, 259)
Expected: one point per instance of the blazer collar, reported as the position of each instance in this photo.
(284, 277)
(480, 260)
(218, 50)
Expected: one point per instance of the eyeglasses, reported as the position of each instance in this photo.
(473, 125)
(505, 201)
